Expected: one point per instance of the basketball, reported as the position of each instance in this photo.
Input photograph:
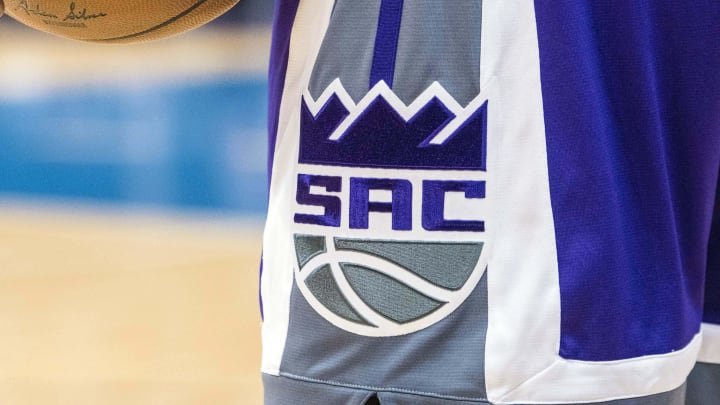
(110, 21)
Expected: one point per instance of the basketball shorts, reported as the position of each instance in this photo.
(493, 202)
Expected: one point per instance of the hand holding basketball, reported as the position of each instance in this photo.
(2, 8)
(112, 21)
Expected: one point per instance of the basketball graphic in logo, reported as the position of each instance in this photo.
(383, 288)
(387, 244)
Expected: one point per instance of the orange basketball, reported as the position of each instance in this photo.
(113, 21)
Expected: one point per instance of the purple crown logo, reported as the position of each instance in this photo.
(433, 132)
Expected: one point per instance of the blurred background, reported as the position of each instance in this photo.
(132, 195)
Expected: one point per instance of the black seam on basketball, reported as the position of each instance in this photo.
(157, 27)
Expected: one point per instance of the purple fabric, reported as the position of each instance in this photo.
(712, 282)
(631, 93)
(386, 42)
(380, 129)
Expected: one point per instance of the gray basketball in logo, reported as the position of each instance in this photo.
(381, 287)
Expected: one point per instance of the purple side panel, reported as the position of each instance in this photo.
(285, 11)
(712, 282)
(631, 94)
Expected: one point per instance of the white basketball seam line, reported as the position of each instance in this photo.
(365, 311)
(353, 299)
(383, 266)
(397, 272)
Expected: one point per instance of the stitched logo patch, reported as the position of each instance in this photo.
(389, 229)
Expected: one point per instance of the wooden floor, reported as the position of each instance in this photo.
(105, 308)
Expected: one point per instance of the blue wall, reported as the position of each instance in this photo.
(200, 146)
(249, 12)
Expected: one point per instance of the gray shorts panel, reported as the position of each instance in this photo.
(445, 360)
(704, 385)
(284, 390)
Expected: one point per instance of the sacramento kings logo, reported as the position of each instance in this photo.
(389, 231)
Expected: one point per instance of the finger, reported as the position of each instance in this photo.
(2, 8)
